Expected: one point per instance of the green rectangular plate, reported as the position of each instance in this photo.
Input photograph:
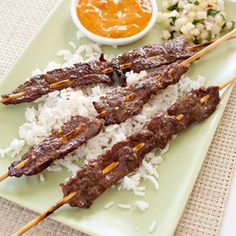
(177, 174)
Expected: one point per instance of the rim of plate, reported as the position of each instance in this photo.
(113, 41)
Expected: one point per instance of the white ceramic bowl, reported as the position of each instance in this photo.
(111, 41)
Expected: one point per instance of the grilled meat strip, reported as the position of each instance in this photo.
(90, 182)
(80, 74)
(192, 109)
(155, 55)
(42, 155)
(119, 106)
(92, 73)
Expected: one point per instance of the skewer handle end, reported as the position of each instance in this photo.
(4, 176)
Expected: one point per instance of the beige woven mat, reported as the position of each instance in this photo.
(19, 21)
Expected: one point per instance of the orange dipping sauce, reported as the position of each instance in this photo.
(114, 18)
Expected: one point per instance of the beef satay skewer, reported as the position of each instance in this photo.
(105, 171)
(129, 64)
(186, 62)
(67, 82)
(63, 201)
(63, 139)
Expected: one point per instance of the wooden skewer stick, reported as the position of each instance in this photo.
(197, 46)
(110, 167)
(4, 176)
(130, 97)
(226, 83)
(180, 117)
(64, 200)
(106, 170)
(210, 47)
(60, 84)
(205, 98)
(102, 114)
(73, 133)
(12, 96)
(45, 214)
(139, 147)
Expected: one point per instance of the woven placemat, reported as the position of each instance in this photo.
(19, 21)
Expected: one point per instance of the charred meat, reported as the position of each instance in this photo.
(79, 75)
(40, 156)
(122, 103)
(192, 109)
(155, 55)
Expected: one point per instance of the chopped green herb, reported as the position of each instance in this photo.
(172, 34)
(173, 19)
(197, 21)
(209, 36)
(212, 12)
(223, 16)
(173, 7)
(233, 25)
(223, 26)
(195, 2)
(223, 20)
(196, 41)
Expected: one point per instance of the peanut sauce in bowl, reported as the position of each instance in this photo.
(114, 22)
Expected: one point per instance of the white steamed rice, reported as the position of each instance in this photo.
(152, 226)
(141, 205)
(124, 206)
(196, 20)
(109, 205)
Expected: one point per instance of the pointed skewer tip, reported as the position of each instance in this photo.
(226, 83)
(202, 52)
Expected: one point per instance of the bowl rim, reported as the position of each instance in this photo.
(113, 41)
